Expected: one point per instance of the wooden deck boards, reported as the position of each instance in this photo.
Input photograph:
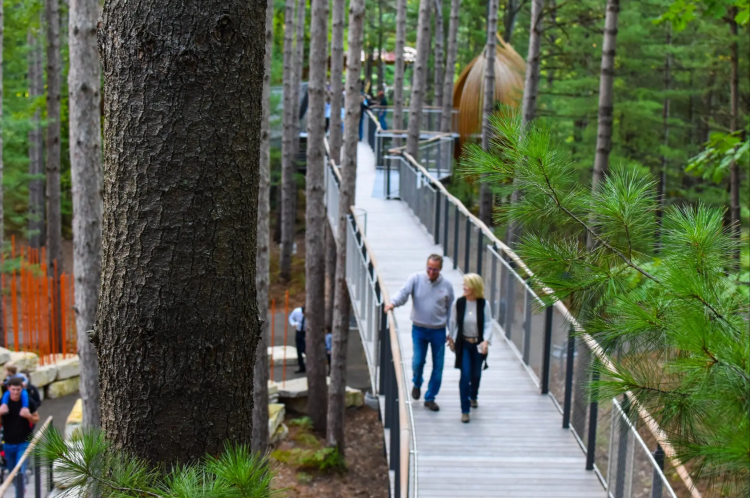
(514, 445)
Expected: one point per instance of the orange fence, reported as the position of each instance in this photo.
(38, 305)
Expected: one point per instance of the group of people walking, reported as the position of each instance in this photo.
(464, 324)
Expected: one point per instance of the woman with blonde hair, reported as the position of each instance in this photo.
(469, 335)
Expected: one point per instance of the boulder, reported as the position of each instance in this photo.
(4, 356)
(277, 353)
(68, 368)
(293, 393)
(354, 397)
(61, 388)
(43, 375)
(75, 419)
(276, 413)
(294, 388)
(281, 433)
(24, 361)
(273, 392)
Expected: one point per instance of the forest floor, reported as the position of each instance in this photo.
(298, 460)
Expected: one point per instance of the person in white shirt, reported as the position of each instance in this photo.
(469, 335)
(297, 320)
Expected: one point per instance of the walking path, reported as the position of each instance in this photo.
(514, 445)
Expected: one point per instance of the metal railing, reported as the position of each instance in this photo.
(555, 350)
(428, 122)
(379, 339)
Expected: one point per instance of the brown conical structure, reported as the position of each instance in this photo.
(468, 92)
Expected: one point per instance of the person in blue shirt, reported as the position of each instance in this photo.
(11, 371)
(329, 346)
(297, 320)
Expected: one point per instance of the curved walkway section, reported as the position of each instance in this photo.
(514, 445)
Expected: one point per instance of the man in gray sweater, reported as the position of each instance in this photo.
(432, 297)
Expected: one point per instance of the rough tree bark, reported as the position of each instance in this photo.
(36, 148)
(439, 57)
(398, 77)
(298, 67)
(337, 73)
(2, 214)
(604, 131)
(446, 119)
(734, 120)
(419, 78)
(54, 78)
(330, 275)
(337, 391)
(485, 192)
(315, 270)
(288, 182)
(260, 437)
(177, 323)
(84, 89)
(661, 187)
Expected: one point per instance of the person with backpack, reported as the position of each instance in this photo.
(18, 424)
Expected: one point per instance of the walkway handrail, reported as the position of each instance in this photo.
(590, 342)
(29, 449)
(404, 408)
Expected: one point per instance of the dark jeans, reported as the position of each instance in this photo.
(423, 338)
(471, 374)
(13, 453)
(299, 338)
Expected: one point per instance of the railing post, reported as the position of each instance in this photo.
(548, 314)
(593, 419)
(468, 246)
(445, 228)
(622, 451)
(657, 486)
(394, 450)
(493, 288)
(37, 477)
(437, 217)
(569, 378)
(455, 241)
(510, 301)
(480, 253)
(388, 178)
(382, 356)
(528, 302)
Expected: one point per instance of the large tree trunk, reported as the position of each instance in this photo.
(485, 192)
(509, 19)
(661, 187)
(288, 153)
(86, 175)
(260, 437)
(54, 77)
(315, 269)
(606, 97)
(446, 118)
(299, 66)
(419, 78)
(337, 73)
(439, 57)
(734, 119)
(36, 226)
(177, 324)
(337, 391)
(330, 275)
(2, 219)
(398, 77)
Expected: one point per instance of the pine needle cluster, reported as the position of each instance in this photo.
(90, 466)
(661, 298)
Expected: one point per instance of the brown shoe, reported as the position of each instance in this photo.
(431, 405)
(474, 403)
(465, 418)
(415, 392)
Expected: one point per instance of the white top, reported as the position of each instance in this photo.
(470, 321)
(297, 318)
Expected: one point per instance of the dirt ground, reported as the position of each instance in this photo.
(366, 475)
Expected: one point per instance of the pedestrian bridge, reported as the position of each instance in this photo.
(535, 433)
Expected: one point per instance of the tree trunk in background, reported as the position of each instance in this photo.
(439, 57)
(381, 60)
(54, 78)
(485, 192)
(509, 19)
(398, 79)
(36, 225)
(604, 131)
(419, 78)
(368, 67)
(662, 185)
(708, 104)
(298, 67)
(180, 214)
(288, 181)
(2, 214)
(337, 391)
(734, 125)
(552, 40)
(315, 229)
(530, 92)
(86, 177)
(330, 276)
(337, 73)
(260, 437)
(446, 117)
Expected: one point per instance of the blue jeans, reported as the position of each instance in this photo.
(471, 374)
(422, 338)
(13, 453)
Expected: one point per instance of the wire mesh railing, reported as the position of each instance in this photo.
(556, 352)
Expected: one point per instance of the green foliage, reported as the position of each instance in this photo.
(721, 151)
(90, 466)
(304, 423)
(325, 460)
(664, 302)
